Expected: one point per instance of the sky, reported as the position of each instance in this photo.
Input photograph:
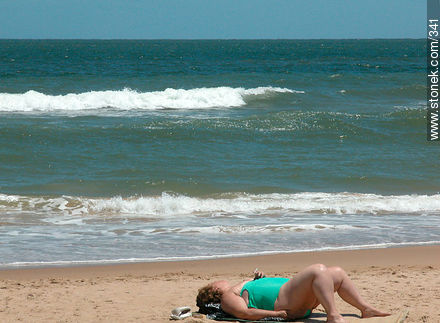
(212, 19)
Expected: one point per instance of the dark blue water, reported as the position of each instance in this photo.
(303, 144)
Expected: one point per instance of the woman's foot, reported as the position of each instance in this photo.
(335, 319)
(372, 312)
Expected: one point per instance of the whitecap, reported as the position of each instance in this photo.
(128, 99)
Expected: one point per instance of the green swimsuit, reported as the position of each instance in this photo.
(263, 292)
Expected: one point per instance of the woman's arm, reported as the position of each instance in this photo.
(236, 306)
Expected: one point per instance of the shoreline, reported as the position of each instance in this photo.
(392, 279)
(116, 262)
(427, 255)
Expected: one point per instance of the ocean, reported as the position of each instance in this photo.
(143, 150)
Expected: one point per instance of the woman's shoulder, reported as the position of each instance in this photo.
(236, 289)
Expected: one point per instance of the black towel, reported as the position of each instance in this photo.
(214, 311)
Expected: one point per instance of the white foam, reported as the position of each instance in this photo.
(238, 204)
(326, 203)
(253, 229)
(127, 99)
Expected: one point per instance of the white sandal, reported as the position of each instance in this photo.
(180, 313)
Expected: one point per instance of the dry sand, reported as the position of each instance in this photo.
(392, 279)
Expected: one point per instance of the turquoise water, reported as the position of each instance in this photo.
(134, 150)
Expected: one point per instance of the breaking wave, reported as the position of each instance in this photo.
(128, 99)
(169, 205)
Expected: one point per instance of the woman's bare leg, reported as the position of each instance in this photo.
(312, 285)
(349, 293)
(323, 288)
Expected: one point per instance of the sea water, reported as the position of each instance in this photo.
(120, 151)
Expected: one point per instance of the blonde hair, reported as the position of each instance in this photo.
(208, 294)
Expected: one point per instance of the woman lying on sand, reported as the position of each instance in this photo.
(287, 298)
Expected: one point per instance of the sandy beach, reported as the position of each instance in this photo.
(392, 279)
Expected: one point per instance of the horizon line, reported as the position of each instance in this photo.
(192, 39)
